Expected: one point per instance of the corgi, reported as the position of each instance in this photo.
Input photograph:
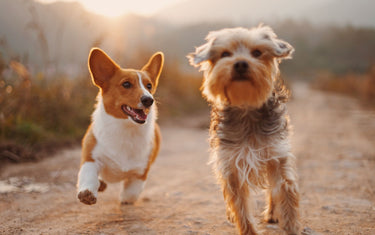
(123, 139)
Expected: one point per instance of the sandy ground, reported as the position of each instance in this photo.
(333, 141)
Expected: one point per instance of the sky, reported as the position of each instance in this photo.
(114, 8)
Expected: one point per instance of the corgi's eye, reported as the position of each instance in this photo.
(127, 85)
(256, 53)
(149, 86)
(225, 54)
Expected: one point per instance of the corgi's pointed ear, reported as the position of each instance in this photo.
(101, 66)
(154, 67)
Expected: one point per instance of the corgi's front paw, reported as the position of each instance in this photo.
(87, 197)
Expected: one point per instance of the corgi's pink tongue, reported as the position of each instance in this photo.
(138, 115)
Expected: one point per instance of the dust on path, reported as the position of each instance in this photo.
(333, 141)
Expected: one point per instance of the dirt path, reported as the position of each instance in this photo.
(333, 139)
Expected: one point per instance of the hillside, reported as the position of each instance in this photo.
(58, 36)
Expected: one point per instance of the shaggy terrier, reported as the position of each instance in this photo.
(249, 123)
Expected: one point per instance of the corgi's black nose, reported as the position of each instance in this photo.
(147, 101)
(241, 66)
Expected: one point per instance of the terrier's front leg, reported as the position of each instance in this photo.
(236, 197)
(285, 197)
(131, 189)
(88, 183)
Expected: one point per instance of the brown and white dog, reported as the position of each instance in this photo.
(249, 123)
(123, 139)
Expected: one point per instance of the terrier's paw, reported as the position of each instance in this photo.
(309, 231)
(230, 216)
(269, 218)
(292, 228)
(269, 215)
(87, 197)
(272, 221)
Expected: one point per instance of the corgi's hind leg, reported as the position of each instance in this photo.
(133, 186)
(131, 189)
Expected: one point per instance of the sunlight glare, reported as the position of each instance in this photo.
(115, 8)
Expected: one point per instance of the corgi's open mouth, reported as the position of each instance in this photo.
(138, 115)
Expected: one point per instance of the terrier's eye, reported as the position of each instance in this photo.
(225, 54)
(149, 86)
(127, 85)
(256, 53)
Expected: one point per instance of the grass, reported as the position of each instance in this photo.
(360, 86)
(39, 112)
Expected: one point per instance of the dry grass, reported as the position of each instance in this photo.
(39, 113)
(361, 86)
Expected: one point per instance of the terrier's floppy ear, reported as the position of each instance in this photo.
(101, 66)
(279, 48)
(154, 67)
(202, 53)
(282, 49)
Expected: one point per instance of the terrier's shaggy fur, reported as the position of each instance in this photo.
(249, 123)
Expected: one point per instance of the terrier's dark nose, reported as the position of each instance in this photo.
(241, 66)
(147, 101)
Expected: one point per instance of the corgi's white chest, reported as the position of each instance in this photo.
(122, 145)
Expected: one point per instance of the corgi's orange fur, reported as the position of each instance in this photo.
(123, 139)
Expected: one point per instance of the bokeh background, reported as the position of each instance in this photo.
(46, 94)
